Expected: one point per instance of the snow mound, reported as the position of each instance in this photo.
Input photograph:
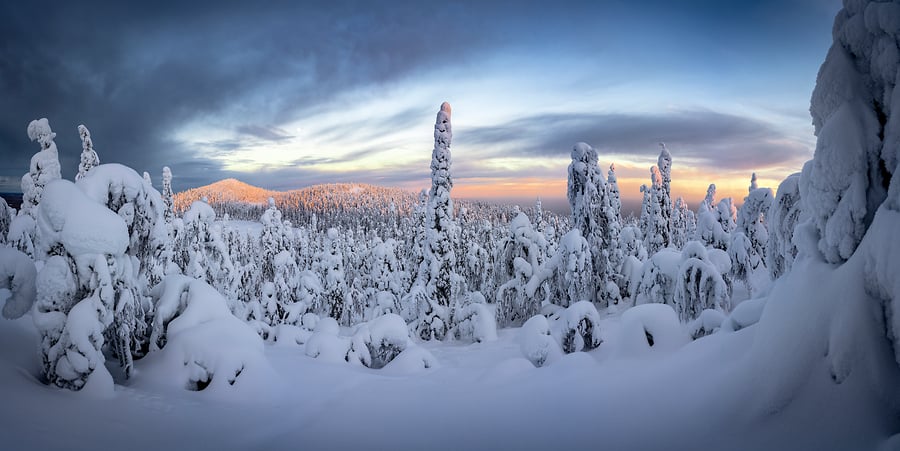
(198, 345)
(650, 329)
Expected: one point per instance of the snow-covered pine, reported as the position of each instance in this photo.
(167, 195)
(331, 270)
(684, 224)
(6, 217)
(783, 218)
(89, 157)
(857, 150)
(654, 226)
(86, 294)
(44, 166)
(520, 255)
(752, 221)
(435, 313)
(588, 199)
(664, 163)
(123, 191)
(699, 286)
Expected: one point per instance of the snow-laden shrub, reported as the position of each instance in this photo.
(536, 342)
(376, 343)
(475, 321)
(746, 314)
(17, 274)
(326, 343)
(706, 323)
(198, 345)
(577, 328)
(650, 329)
(412, 360)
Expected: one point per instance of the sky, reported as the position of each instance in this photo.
(289, 94)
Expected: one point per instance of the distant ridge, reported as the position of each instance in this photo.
(316, 198)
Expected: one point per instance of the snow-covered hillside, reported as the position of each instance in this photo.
(135, 320)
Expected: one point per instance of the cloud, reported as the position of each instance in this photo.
(700, 137)
(266, 133)
(137, 74)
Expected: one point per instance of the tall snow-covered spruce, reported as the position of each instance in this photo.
(435, 314)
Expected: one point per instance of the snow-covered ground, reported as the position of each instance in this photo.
(718, 392)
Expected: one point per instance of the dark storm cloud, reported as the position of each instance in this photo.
(134, 73)
(706, 138)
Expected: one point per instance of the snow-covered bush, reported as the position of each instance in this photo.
(577, 328)
(708, 322)
(18, 275)
(475, 320)
(536, 342)
(650, 329)
(198, 345)
(376, 343)
(746, 314)
(326, 343)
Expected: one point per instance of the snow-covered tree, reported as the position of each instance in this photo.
(437, 272)
(44, 166)
(89, 157)
(856, 151)
(167, 195)
(589, 200)
(5, 220)
(659, 277)
(520, 255)
(573, 270)
(684, 224)
(783, 218)
(86, 293)
(699, 286)
(752, 222)
(654, 225)
(664, 163)
(331, 266)
(123, 191)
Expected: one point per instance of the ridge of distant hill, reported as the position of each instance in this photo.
(315, 198)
